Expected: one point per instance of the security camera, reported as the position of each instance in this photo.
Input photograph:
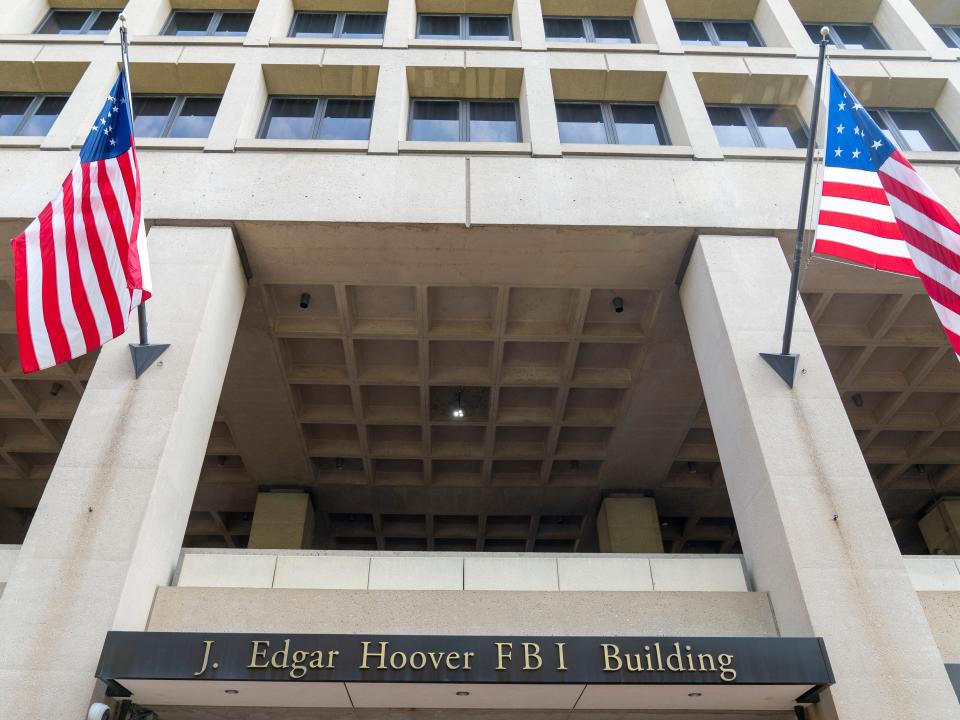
(98, 711)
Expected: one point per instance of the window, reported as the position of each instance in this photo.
(223, 24)
(338, 25)
(464, 27)
(950, 34)
(598, 29)
(464, 120)
(757, 126)
(307, 118)
(734, 33)
(174, 116)
(29, 115)
(78, 22)
(914, 129)
(848, 36)
(613, 123)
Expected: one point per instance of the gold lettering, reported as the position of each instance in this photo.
(257, 652)
(453, 660)
(648, 657)
(466, 659)
(367, 654)
(418, 660)
(531, 652)
(708, 656)
(503, 654)
(331, 654)
(656, 646)
(298, 667)
(727, 672)
(611, 653)
(561, 666)
(675, 655)
(690, 666)
(316, 660)
(636, 665)
(207, 644)
(398, 664)
(280, 657)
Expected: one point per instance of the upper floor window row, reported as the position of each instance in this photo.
(29, 115)
(338, 25)
(950, 34)
(174, 116)
(78, 22)
(209, 22)
(848, 36)
(590, 29)
(464, 27)
(611, 123)
(317, 118)
(729, 33)
(914, 129)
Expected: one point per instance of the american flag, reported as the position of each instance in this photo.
(876, 210)
(81, 266)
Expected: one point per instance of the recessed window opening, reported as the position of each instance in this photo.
(174, 116)
(950, 34)
(29, 115)
(758, 126)
(611, 123)
(464, 121)
(847, 36)
(590, 29)
(464, 27)
(720, 33)
(78, 22)
(358, 26)
(313, 118)
(917, 130)
(199, 23)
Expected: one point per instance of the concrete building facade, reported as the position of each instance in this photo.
(465, 301)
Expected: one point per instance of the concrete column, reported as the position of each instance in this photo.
(22, 16)
(388, 124)
(282, 521)
(401, 23)
(80, 111)
(941, 527)
(244, 102)
(271, 19)
(629, 524)
(144, 17)
(655, 25)
(110, 524)
(904, 28)
(780, 13)
(528, 24)
(538, 110)
(687, 120)
(814, 533)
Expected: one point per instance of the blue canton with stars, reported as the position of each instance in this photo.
(112, 132)
(854, 140)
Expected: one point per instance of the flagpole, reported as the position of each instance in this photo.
(144, 354)
(785, 362)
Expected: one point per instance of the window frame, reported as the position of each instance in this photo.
(898, 136)
(92, 16)
(463, 117)
(712, 32)
(835, 36)
(216, 17)
(746, 111)
(338, 23)
(178, 102)
(35, 103)
(951, 30)
(587, 22)
(610, 124)
(318, 114)
(465, 27)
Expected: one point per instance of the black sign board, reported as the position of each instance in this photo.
(465, 659)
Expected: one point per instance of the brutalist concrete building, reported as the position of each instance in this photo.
(463, 414)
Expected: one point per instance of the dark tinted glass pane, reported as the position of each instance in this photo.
(196, 118)
(565, 29)
(347, 120)
(730, 127)
(290, 118)
(435, 120)
(234, 23)
(105, 21)
(780, 127)
(189, 23)
(692, 32)
(42, 120)
(488, 27)
(363, 26)
(580, 123)
(859, 37)
(739, 34)
(921, 130)
(12, 108)
(64, 22)
(314, 25)
(150, 115)
(493, 122)
(946, 37)
(446, 27)
(638, 125)
(878, 119)
(813, 30)
(612, 30)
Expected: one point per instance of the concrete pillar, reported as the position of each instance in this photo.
(814, 533)
(538, 111)
(528, 24)
(629, 524)
(779, 15)
(110, 524)
(21, 17)
(282, 521)
(655, 25)
(243, 104)
(144, 17)
(905, 28)
(388, 124)
(271, 19)
(83, 105)
(400, 24)
(687, 120)
(941, 527)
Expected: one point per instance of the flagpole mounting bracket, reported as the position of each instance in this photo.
(144, 356)
(784, 364)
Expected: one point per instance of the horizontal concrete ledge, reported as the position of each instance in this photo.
(933, 572)
(345, 570)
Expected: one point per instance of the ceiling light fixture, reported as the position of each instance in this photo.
(304, 301)
(338, 463)
(857, 399)
(618, 304)
(691, 467)
(458, 410)
(221, 460)
(55, 389)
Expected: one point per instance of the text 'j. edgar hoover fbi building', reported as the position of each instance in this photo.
(463, 415)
